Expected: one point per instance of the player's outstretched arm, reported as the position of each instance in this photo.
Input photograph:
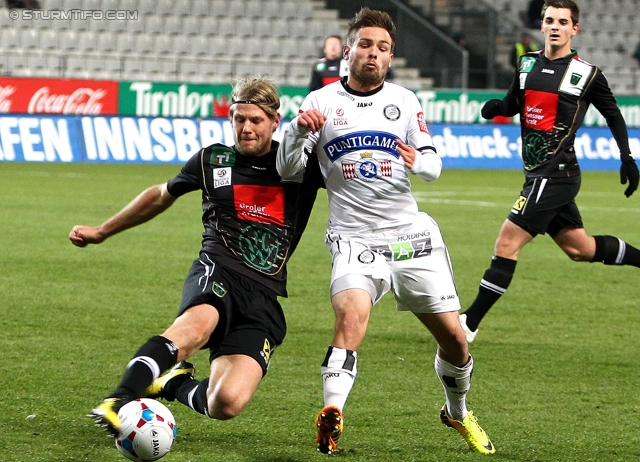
(150, 203)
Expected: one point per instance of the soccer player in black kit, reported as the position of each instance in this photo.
(229, 301)
(551, 91)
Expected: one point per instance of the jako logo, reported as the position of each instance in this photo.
(365, 104)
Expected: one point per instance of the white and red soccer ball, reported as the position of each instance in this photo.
(148, 430)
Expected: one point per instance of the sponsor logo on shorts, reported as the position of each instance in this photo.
(218, 289)
(519, 205)
(366, 257)
(405, 250)
(266, 351)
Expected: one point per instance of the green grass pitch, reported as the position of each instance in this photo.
(554, 380)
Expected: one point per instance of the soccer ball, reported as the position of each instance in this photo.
(148, 430)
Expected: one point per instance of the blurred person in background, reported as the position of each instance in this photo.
(331, 67)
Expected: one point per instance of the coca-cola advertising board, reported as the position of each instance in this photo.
(58, 96)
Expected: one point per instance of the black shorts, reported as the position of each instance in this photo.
(547, 205)
(251, 323)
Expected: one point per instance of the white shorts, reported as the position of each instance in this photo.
(413, 262)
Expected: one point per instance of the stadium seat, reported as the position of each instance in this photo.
(243, 68)
(39, 66)
(109, 5)
(68, 41)
(181, 45)
(146, 7)
(218, 8)
(5, 21)
(309, 48)
(255, 8)
(40, 24)
(76, 67)
(87, 42)
(279, 27)
(105, 42)
(236, 9)
(202, 46)
(61, 24)
(48, 40)
(253, 46)
(29, 39)
(271, 9)
(262, 27)
(154, 24)
(244, 27)
(71, 5)
(125, 43)
(135, 26)
(271, 47)
(144, 43)
(163, 7)
(163, 45)
(129, 5)
(172, 25)
(200, 8)
(81, 24)
(189, 71)
(235, 47)
(194, 25)
(18, 66)
(295, 9)
(226, 27)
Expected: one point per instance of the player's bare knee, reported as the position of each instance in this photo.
(222, 410)
(226, 404)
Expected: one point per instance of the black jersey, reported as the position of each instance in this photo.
(248, 213)
(552, 97)
(325, 71)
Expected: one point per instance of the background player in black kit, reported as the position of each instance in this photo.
(229, 302)
(331, 66)
(552, 90)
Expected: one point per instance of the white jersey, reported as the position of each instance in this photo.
(367, 182)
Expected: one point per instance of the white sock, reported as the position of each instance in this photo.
(338, 370)
(456, 382)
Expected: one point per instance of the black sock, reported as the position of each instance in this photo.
(196, 400)
(612, 251)
(150, 361)
(494, 283)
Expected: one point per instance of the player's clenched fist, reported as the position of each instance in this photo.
(313, 120)
(83, 235)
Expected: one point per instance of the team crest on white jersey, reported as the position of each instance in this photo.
(391, 112)
(367, 169)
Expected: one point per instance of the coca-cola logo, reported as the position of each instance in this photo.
(81, 101)
(5, 93)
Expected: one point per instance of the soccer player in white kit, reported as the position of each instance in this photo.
(368, 134)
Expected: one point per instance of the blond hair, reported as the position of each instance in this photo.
(259, 91)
